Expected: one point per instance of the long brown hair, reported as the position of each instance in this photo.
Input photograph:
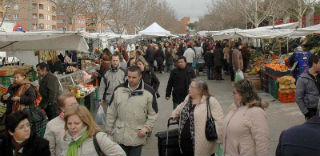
(249, 95)
(86, 117)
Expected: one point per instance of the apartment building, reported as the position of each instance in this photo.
(35, 15)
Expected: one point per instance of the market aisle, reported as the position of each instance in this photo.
(280, 116)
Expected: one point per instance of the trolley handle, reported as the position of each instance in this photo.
(171, 121)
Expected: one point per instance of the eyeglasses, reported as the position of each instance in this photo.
(22, 127)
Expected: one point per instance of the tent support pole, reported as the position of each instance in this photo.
(287, 45)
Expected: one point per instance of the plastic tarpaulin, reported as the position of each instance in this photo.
(155, 30)
(29, 41)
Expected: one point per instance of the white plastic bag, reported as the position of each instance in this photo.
(239, 76)
(100, 116)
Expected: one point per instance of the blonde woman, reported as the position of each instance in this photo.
(245, 128)
(192, 114)
(79, 138)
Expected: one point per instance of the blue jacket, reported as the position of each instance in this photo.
(301, 140)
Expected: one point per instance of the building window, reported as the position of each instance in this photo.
(41, 16)
(34, 16)
(53, 18)
(48, 8)
(41, 6)
(34, 26)
(80, 22)
(16, 16)
(60, 21)
(34, 5)
(8, 16)
(60, 13)
(41, 26)
(16, 7)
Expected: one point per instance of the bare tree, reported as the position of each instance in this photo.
(71, 9)
(98, 11)
(6, 9)
(298, 8)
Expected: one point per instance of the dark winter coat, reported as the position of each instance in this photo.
(178, 83)
(169, 58)
(151, 79)
(307, 93)
(150, 54)
(218, 56)
(300, 140)
(27, 99)
(35, 146)
(208, 59)
(49, 90)
(159, 56)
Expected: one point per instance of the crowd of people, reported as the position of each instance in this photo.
(56, 124)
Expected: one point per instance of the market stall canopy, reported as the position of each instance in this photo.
(265, 33)
(226, 34)
(155, 30)
(306, 31)
(280, 26)
(29, 41)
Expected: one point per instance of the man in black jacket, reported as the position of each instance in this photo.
(49, 90)
(301, 140)
(179, 81)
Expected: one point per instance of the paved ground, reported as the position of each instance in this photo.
(280, 116)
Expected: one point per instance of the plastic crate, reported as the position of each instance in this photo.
(273, 88)
(287, 97)
(6, 81)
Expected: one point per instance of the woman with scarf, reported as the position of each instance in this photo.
(55, 127)
(81, 135)
(148, 75)
(19, 140)
(21, 96)
(192, 115)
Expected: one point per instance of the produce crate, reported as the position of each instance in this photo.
(6, 81)
(287, 98)
(32, 75)
(273, 88)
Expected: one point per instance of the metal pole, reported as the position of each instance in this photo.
(287, 45)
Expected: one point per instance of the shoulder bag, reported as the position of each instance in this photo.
(96, 145)
(211, 133)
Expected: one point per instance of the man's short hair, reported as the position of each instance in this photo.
(42, 66)
(313, 59)
(182, 57)
(135, 68)
(115, 55)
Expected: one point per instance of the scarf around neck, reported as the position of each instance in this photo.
(74, 145)
(18, 146)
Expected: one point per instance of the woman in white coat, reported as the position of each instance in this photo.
(80, 133)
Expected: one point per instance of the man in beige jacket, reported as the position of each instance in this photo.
(132, 113)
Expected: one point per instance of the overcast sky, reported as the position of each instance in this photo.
(189, 8)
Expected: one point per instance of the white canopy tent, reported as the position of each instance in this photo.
(155, 30)
(29, 41)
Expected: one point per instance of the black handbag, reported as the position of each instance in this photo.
(211, 133)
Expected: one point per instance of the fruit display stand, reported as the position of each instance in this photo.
(82, 84)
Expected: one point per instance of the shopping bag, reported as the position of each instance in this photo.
(100, 117)
(239, 76)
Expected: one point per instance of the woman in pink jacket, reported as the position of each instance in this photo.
(245, 128)
(192, 114)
